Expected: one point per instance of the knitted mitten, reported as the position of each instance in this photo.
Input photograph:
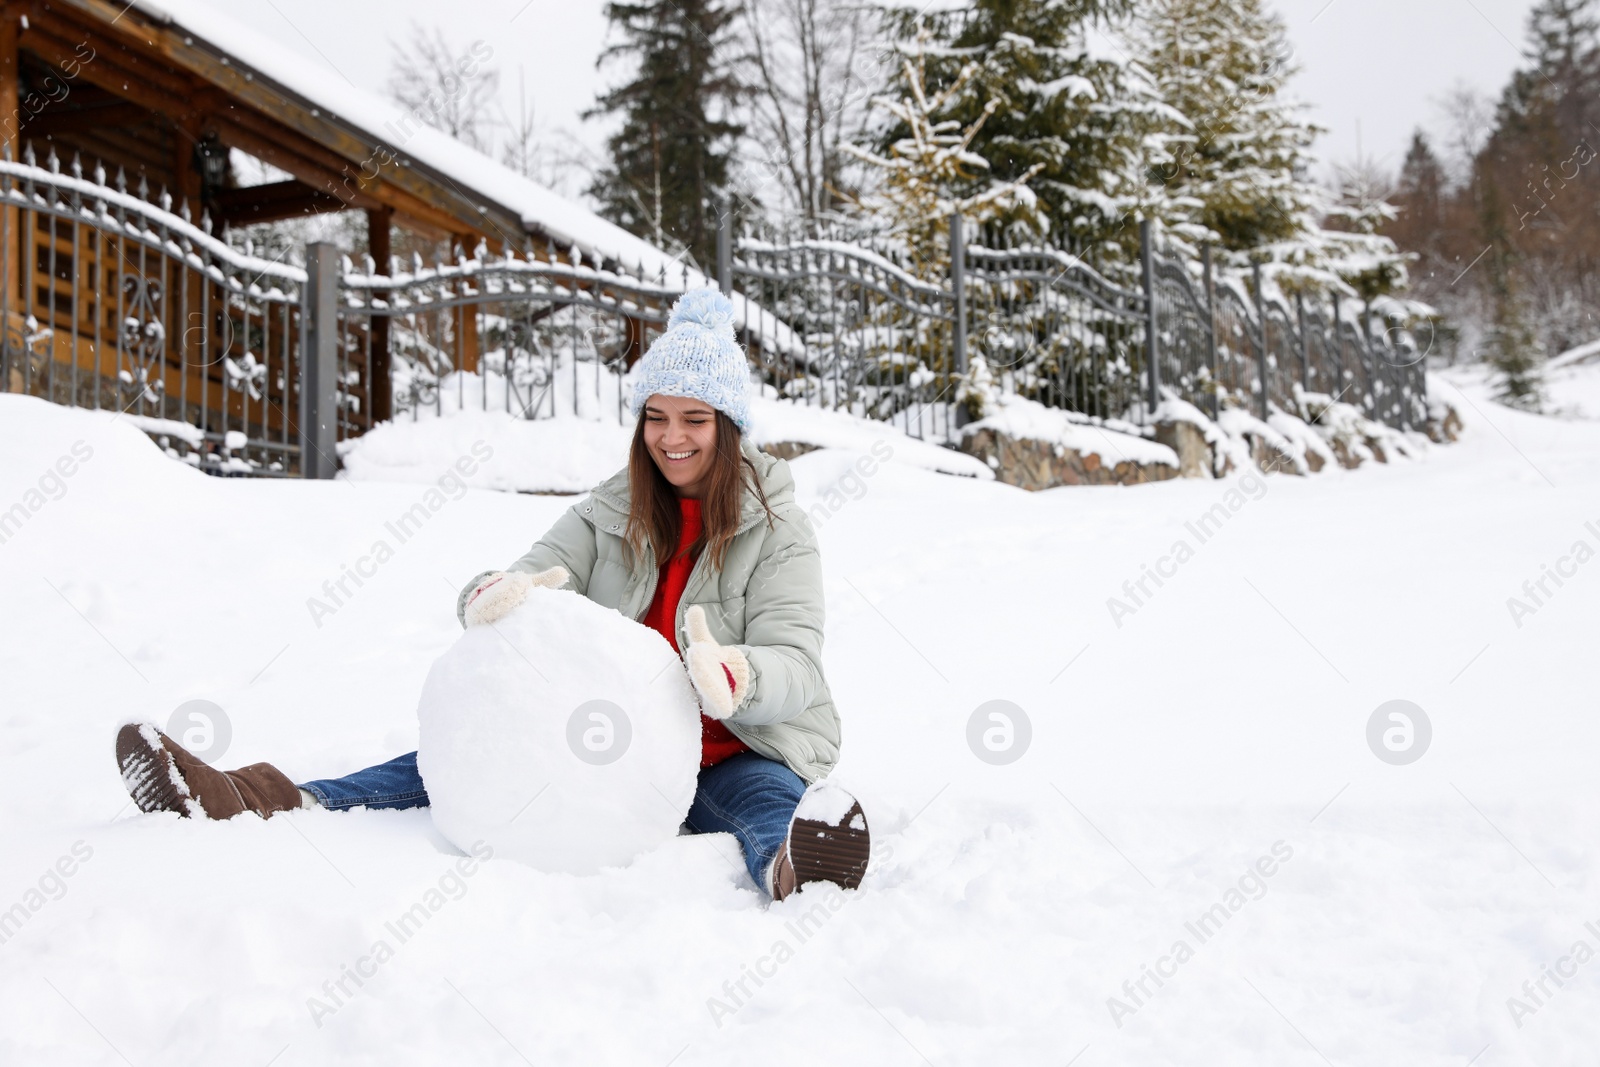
(720, 673)
(500, 591)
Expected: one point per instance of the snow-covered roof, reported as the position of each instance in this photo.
(499, 191)
(384, 123)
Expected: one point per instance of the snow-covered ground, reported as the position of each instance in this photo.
(586, 442)
(1572, 383)
(1202, 754)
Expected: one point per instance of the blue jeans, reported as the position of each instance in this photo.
(749, 796)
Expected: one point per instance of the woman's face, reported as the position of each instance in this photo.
(681, 434)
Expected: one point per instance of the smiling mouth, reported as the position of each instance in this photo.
(679, 457)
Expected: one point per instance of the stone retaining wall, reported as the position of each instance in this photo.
(1033, 464)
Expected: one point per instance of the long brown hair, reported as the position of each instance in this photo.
(653, 513)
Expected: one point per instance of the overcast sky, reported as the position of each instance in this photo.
(1374, 66)
(1380, 66)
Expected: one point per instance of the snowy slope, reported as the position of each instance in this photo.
(1572, 382)
(1584, 353)
(1007, 904)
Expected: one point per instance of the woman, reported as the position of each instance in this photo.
(698, 537)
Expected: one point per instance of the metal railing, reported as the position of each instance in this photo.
(111, 301)
(1223, 343)
(875, 339)
(886, 341)
(535, 337)
(242, 365)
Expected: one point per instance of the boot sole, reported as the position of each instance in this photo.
(831, 852)
(151, 774)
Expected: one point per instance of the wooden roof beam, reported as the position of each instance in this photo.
(312, 172)
(269, 203)
(128, 82)
(200, 90)
(467, 209)
(263, 136)
(51, 122)
(72, 38)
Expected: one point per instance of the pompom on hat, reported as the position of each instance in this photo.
(698, 356)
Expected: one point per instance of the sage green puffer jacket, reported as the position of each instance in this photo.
(767, 601)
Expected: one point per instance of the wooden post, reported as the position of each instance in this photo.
(379, 390)
(467, 337)
(633, 343)
(10, 107)
(466, 321)
(186, 176)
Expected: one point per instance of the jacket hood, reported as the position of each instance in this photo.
(776, 482)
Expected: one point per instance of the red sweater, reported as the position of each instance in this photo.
(717, 742)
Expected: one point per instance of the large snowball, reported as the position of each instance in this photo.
(566, 736)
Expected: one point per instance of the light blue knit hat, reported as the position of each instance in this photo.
(698, 356)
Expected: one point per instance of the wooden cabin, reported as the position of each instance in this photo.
(157, 98)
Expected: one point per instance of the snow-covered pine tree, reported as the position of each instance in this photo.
(925, 173)
(670, 158)
(1564, 52)
(1350, 249)
(1047, 92)
(921, 181)
(1224, 64)
(1350, 244)
(1513, 346)
(1063, 97)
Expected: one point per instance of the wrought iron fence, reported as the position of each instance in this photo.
(875, 339)
(1192, 358)
(1226, 342)
(888, 338)
(532, 336)
(242, 365)
(1054, 329)
(111, 301)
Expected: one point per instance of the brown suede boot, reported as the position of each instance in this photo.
(822, 846)
(162, 775)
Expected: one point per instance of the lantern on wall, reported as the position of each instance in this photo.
(211, 160)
